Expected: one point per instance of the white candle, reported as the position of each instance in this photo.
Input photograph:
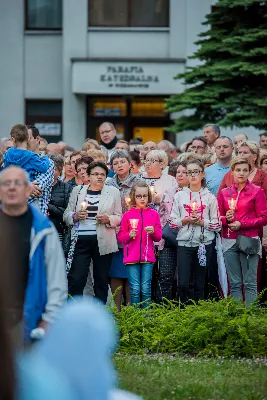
(134, 223)
(232, 204)
(152, 190)
(128, 202)
(194, 205)
(83, 205)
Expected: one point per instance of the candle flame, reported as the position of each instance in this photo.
(84, 205)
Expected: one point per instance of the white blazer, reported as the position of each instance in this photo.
(109, 204)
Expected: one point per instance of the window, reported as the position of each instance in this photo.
(129, 13)
(46, 115)
(43, 14)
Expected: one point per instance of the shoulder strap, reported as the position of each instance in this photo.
(78, 197)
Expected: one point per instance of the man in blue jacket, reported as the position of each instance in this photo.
(32, 259)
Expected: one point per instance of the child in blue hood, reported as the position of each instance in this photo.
(23, 158)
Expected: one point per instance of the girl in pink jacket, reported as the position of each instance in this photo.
(140, 228)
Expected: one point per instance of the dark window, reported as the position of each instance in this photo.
(131, 13)
(46, 115)
(43, 14)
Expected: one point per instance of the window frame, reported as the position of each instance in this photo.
(31, 120)
(128, 26)
(28, 28)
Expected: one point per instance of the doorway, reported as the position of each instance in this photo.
(132, 116)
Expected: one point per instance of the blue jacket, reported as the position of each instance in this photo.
(47, 277)
(27, 160)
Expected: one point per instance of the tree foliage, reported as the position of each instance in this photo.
(229, 86)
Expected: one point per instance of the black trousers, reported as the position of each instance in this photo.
(167, 268)
(86, 250)
(212, 286)
(188, 265)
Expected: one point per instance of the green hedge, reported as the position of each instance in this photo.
(223, 328)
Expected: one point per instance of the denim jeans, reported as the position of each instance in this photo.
(242, 269)
(140, 277)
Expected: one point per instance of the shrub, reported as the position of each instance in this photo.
(225, 328)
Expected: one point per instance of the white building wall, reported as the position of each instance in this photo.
(127, 44)
(74, 45)
(11, 65)
(43, 66)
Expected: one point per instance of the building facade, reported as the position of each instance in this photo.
(68, 65)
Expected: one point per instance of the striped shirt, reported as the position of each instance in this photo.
(88, 225)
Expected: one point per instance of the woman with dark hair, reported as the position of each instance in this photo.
(195, 215)
(136, 162)
(94, 212)
(177, 169)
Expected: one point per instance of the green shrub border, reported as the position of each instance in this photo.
(224, 328)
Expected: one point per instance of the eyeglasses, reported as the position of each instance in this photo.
(196, 172)
(102, 175)
(141, 196)
(151, 161)
(16, 182)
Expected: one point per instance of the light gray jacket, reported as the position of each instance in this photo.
(109, 204)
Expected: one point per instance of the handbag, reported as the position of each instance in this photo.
(170, 235)
(247, 245)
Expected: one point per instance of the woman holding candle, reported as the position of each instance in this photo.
(140, 228)
(257, 176)
(243, 212)
(93, 233)
(195, 215)
(123, 180)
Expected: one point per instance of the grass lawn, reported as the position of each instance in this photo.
(166, 377)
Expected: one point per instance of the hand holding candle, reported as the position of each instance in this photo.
(134, 225)
(232, 204)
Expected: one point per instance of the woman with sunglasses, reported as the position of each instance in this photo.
(195, 215)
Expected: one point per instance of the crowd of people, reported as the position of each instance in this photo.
(143, 219)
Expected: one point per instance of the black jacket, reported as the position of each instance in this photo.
(59, 201)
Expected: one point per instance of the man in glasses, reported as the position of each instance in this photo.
(108, 137)
(199, 145)
(32, 261)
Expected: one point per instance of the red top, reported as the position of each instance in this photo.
(260, 179)
(250, 211)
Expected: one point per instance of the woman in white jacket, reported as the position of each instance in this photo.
(94, 212)
(195, 215)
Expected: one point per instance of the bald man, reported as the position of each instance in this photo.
(238, 139)
(32, 260)
(54, 148)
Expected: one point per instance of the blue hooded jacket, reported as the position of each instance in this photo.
(36, 291)
(27, 160)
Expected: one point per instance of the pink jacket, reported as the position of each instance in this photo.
(250, 211)
(140, 249)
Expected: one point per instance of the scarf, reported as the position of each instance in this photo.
(111, 144)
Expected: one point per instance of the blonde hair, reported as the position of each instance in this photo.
(90, 144)
(239, 161)
(96, 154)
(253, 148)
(43, 148)
(160, 154)
(185, 157)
